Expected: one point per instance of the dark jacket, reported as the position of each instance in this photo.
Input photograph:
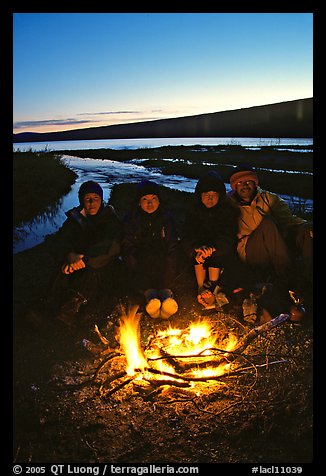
(216, 226)
(97, 237)
(149, 246)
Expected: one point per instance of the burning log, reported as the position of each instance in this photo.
(255, 332)
(228, 356)
(213, 377)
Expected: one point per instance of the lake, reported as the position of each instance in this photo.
(150, 143)
(108, 173)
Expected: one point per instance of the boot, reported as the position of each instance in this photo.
(153, 307)
(169, 307)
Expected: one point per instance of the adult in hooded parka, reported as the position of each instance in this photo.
(86, 249)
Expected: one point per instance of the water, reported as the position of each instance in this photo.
(150, 143)
(108, 173)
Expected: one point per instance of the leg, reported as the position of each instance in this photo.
(153, 303)
(267, 249)
(205, 292)
(200, 273)
(300, 241)
(214, 273)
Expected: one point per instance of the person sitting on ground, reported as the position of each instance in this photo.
(149, 251)
(86, 248)
(270, 236)
(209, 241)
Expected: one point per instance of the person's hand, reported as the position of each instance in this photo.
(309, 229)
(74, 263)
(203, 252)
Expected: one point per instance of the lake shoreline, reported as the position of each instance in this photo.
(287, 172)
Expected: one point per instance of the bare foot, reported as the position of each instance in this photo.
(206, 298)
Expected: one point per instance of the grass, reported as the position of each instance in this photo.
(39, 181)
(265, 156)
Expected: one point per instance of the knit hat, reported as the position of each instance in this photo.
(242, 173)
(147, 187)
(211, 182)
(89, 187)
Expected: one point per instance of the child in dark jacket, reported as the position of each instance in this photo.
(209, 240)
(149, 251)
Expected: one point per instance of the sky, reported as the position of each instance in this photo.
(78, 70)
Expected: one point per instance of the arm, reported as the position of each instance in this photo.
(172, 244)
(283, 215)
(130, 241)
(108, 245)
(226, 228)
(103, 259)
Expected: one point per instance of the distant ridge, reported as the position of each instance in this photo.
(284, 119)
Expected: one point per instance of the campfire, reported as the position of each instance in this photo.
(175, 353)
(194, 358)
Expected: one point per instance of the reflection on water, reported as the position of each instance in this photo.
(107, 173)
(32, 233)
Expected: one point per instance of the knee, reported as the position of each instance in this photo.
(268, 223)
(269, 227)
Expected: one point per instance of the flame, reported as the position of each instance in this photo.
(197, 338)
(129, 339)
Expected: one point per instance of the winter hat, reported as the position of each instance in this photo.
(147, 187)
(243, 173)
(210, 182)
(89, 187)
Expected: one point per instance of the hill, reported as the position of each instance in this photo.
(285, 119)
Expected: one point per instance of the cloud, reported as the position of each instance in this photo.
(141, 116)
(108, 113)
(49, 122)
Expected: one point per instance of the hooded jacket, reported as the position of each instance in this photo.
(150, 242)
(97, 237)
(216, 226)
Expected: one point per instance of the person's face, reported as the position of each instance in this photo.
(210, 199)
(149, 203)
(91, 203)
(246, 190)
